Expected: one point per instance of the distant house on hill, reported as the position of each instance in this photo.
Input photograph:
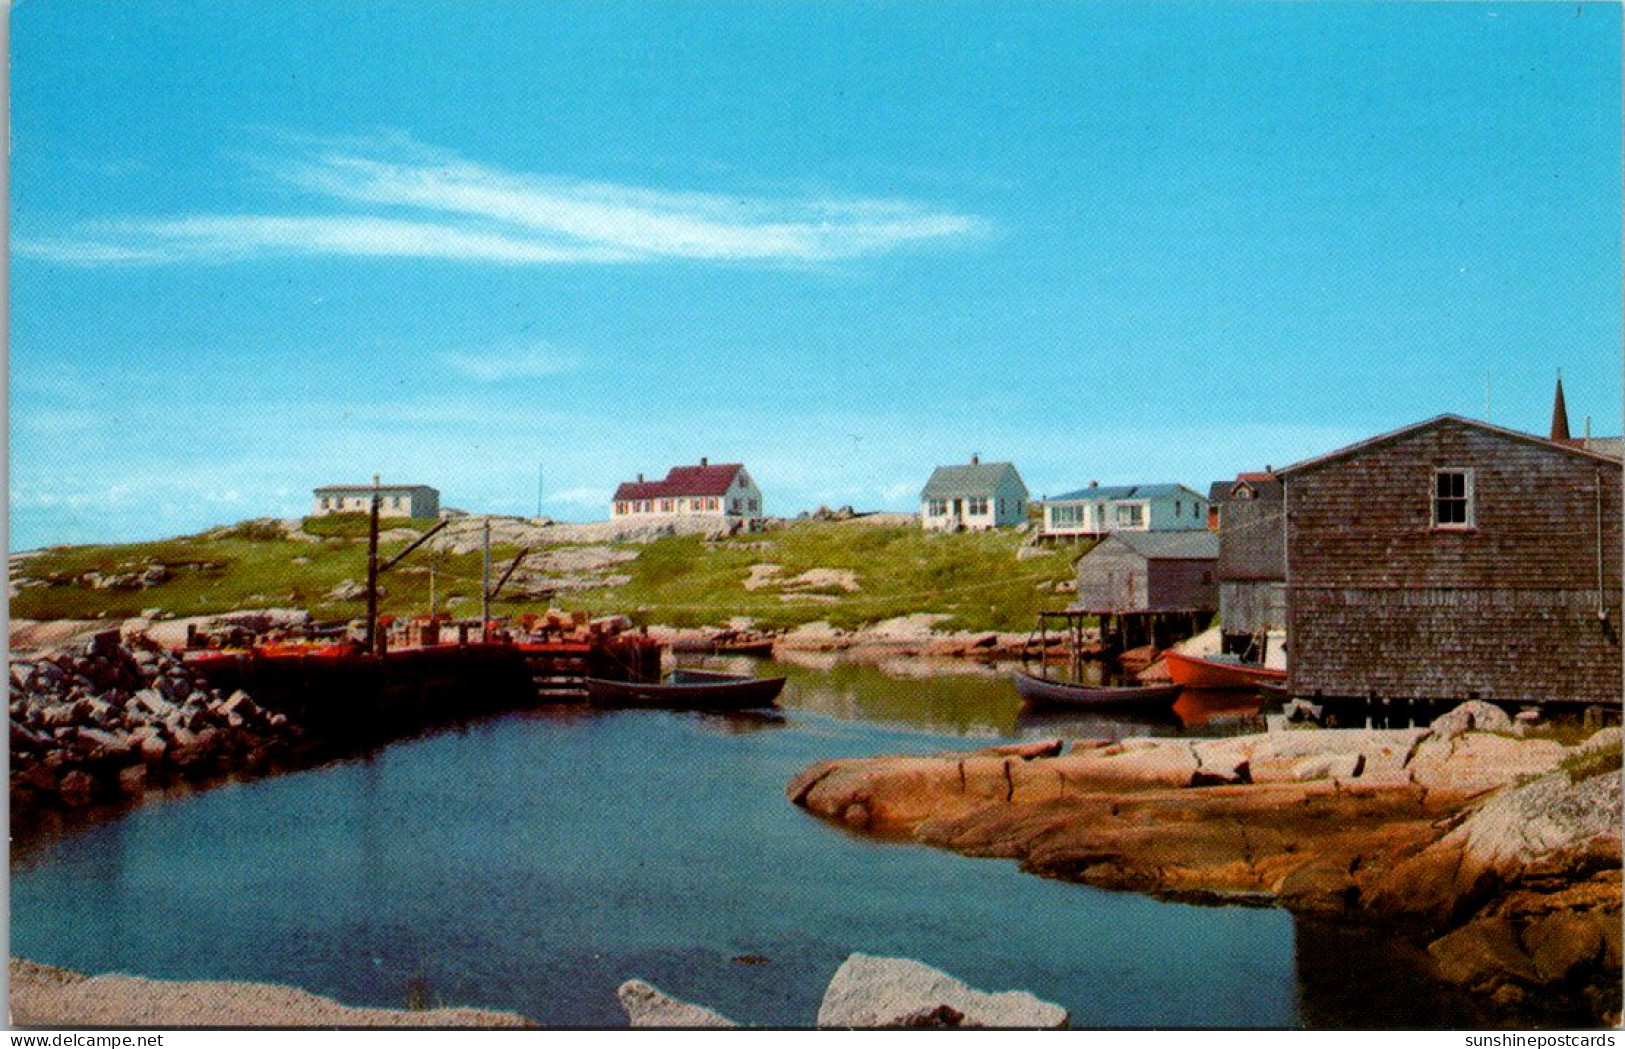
(1098, 510)
(394, 500)
(721, 490)
(973, 498)
(1451, 560)
(1132, 572)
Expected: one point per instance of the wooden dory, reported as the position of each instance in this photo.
(1040, 691)
(1219, 671)
(688, 690)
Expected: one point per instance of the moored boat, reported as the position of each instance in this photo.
(720, 647)
(688, 690)
(1219, 671)
(1048, 692)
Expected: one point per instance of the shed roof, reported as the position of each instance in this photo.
(1430, 424)
(971, 479)
(1125, 491)
(1195, 545)
(705, 479)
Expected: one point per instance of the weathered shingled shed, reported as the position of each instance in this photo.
(1150, 572)
(1453, 559)
(1252, 557)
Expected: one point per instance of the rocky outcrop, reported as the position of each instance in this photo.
(900, 992)
(648, 1006)
(98, 720)
(45, 996)
(1504, 851)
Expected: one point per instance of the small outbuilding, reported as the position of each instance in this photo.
(1252, 559)
(1150, 572)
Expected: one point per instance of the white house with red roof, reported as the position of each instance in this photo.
(722, 490)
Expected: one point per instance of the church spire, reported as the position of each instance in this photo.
(1560, 412)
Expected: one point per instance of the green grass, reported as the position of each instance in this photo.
(974, 579)
(354, 526)
(1604, 761)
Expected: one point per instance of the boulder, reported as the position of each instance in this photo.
(76, 788)
(1482, 954)
(899, 992)
(1473, 716)
(648, 1006)
(132, 779)
(1329, 766)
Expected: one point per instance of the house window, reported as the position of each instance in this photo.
(1131, 515)
(1452, 499)
(977, 505)
(1066, 515)
(1178, 506)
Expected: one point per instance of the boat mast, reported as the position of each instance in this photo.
(372, 570)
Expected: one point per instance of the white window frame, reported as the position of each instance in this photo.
(1469, 500)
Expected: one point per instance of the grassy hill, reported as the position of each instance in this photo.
(860, 573)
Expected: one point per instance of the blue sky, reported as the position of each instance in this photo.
(263, 246)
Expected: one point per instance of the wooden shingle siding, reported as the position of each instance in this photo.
(1383, 603)
(1116, 577)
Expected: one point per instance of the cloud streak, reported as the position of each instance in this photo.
(415, 203)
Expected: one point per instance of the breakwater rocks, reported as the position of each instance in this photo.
(103, 719)
(1501, 855)
(868, 992)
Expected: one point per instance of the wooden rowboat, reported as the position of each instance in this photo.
(1046, 692)
(725, 648)
(1219, 671)
(688, 690)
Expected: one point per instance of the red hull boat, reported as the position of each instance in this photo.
(1219, 671)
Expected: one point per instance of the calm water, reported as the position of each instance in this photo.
(533, 862)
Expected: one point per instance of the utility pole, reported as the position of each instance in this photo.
(538, 489)
(485, 587)
(372, 572)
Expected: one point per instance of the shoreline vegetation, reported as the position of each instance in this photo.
(847, 573)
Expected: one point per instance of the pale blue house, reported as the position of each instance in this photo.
(1098, 510)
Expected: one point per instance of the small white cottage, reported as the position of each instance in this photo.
(394, 500)
(1098, 510)
(973, 498)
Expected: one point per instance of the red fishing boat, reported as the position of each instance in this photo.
(1219, 671)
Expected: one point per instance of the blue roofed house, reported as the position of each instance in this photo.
(1101, 510)
(973, 498)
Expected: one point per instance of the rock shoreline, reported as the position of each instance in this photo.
(1501, 855)
(104, 719)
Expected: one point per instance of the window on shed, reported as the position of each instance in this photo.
(1131, 515)
(1452, 499)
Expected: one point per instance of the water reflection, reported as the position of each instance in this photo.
(956, 697)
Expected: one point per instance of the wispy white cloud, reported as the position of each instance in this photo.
(503, 363)
(407, 201)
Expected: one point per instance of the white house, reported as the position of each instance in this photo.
(723, 490)
(973, 498)
(1097, 510)
(394, 500)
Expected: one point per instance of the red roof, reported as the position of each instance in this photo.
(707, 479)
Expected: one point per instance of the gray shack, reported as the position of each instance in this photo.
(1252, 559)
(1150, 572)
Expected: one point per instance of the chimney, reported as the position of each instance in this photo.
(1094, 484)
(975, 459)
(1560, 412)
(704, 461)
(640, 478)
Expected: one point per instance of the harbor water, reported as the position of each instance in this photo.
(534, 861)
